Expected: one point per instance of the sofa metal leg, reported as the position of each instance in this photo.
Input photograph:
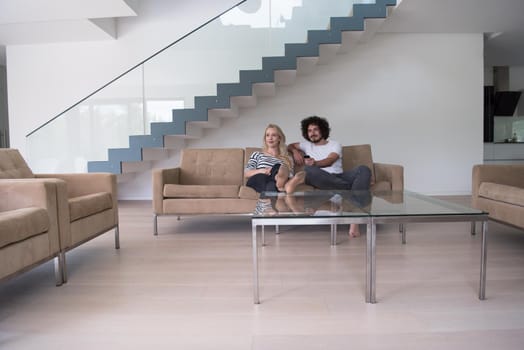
(155, 225)
(117, 237)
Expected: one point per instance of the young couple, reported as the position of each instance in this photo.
(272, 169)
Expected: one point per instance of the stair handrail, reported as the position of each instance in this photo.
(136, 66)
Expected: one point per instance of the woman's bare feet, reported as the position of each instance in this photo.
(354, 230)
(281, 177)
(296, 180)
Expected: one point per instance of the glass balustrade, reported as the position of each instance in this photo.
(215, 53)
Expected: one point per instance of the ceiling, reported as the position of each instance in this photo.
(48, 21)
(500, 20)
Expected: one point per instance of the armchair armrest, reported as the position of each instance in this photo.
(160, 178)
(25, 193)
(81, 184)
(390, 172)
(505, 174)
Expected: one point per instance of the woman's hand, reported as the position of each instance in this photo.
(265, 171)
(251, 172)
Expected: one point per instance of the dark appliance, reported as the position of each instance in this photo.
(489, 110)
(506, 102)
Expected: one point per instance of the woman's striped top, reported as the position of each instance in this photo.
(259, 160)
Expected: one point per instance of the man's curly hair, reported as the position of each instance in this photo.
(322, 124)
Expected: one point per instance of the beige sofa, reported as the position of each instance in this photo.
(499, 190)
(29, 233)
(211, 181)
(86, 204)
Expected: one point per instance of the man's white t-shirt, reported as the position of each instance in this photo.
(320, 152)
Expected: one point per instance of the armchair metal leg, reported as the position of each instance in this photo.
(58, 271)
(155, 225)
(61, 270)
(117, 237)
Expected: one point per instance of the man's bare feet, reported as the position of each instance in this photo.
(354, 230)
(296, 180)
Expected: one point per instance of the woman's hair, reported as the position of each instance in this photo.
(282, 146)
(322, 124)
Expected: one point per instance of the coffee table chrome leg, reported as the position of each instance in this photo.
(483, 257)
(370, 265)
(403, 234)
(473, 228)
(256, 298)
(368, 262)
(373, 261)
(333, 234)
(263, 233)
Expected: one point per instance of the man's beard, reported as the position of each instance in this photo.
(317, 140)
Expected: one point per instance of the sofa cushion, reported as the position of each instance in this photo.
(199, 206)
(200, 191)
(83, 206)
(353, 156)
(381, 186)
(247, 193)
(502, 193)
(19, 224)
(13, 166)
(222, 166)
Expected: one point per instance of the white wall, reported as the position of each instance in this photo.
(46, 79)
(516, 78)
(3, 108)
(417, 98)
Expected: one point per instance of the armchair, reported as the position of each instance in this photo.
(86, 203)
(29, 233)
(499, 190)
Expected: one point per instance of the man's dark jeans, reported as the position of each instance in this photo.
(356, 179)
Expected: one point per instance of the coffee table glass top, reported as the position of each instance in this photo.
(321, 203)
(330, 203)
(406, 203)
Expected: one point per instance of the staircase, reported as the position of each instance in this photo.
(321, 46)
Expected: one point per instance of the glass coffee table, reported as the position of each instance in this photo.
(334, 207)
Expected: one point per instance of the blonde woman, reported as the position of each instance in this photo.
(272, 168)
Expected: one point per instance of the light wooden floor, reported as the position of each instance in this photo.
(191, 288)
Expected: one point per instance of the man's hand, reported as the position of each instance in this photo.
(309, 161)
